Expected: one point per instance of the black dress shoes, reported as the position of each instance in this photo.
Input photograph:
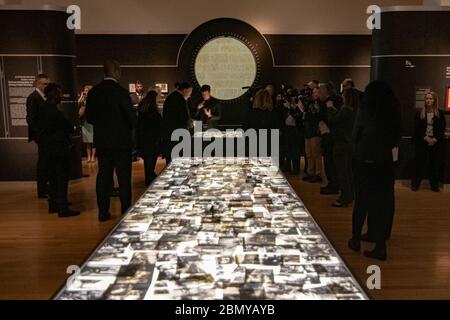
(53, 209)
(354, 245)
(435, 189)
(339, 204)
(67, 213)
(315, 179)
(104, 217)
(328, 191)
(366, 238)
(115, 193)
(376, 254)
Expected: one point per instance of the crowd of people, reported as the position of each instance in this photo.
(347, 138)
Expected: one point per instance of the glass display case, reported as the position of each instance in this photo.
(216, 229)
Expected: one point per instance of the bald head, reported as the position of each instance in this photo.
(112, 69)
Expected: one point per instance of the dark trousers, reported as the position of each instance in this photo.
(291, 164)
(292, 146)
(108, 161)
(295, 161)
(330, 170)
(134, 151)
(430, 158)
(41, 172)
(58, 176)
(150, 160)
(375, 200)
(343, 163)
(167, 147)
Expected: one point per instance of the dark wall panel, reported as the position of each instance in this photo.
(32, 42)
(412, 51)
(129, 49)
(148, 76)
(413, 32)
(297, 58)
(410, 55)
(2, 103)
(35, 32)
(18, 75)
(320, 49)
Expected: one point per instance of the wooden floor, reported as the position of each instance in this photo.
(36, 248)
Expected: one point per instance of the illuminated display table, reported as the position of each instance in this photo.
(209, 230)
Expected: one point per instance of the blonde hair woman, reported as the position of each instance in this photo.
(429, 134)
(87, 129)
(263, 100)
(262, 116)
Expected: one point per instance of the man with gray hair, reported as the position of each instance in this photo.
(36, 101)
(110, 111)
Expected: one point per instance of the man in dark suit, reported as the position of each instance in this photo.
(136, 98)
(176, 115)
(53, 132)
(208, 109)
(138, 95)
(35, 102)
(110, 111)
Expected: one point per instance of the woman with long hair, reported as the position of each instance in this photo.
(376, 135)
(149, 134)
(87, 129)
(261, 117)
(429, 134)
(341, 125)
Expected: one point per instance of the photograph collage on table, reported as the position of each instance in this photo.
(211, 230)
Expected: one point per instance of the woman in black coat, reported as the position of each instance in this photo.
(429, 135)
(376, 135)
(261, 117)
(149, 134)
(341, 124)
(292, 136)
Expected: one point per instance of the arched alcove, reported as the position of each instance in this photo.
(234, 108)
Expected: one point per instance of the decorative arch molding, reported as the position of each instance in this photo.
(227, 27)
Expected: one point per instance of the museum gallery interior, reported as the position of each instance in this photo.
(224, 150)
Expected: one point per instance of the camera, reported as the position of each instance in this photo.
(305, 95)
